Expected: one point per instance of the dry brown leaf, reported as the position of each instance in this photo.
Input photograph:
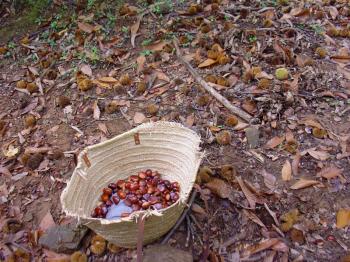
(103, 128)
(190, 120)
(303, 183)
(139, 118)
(286, 171)
(273, 142)
(158, 46)
(87, 28)
(312, 123)
(207, 62)
(161, 76)
(133, 30)
(272, 214)
(318, 154)
(140, 63)
(263, 245)
(249, 106)
(341, 58)
(47, 222)
(333, 11)
(33, 70)
(97, 111)
(253, 217)
(295, 163)
(219, 187)
(269, 180)
(343, 218)
(86, 69)
(252, 199)
(198, 209)
(344, 71)
(330, 172)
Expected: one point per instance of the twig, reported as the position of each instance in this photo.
(178, 223)
(233, 109)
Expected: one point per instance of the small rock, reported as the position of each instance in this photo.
(161, 253)
(252, 134)
(63, 238)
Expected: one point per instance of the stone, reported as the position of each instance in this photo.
(63, 238)
(252, 134)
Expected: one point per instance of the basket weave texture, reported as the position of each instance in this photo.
(167, 147)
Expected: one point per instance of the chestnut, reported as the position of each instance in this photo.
(167, 197)
(115, 200)
(146, 196)
(134, 186)
(107, 191)
(135, 207)
(157, 206)
(146, 205)
(109, 203)
(142, 175)
(112, 186)
(98, 211)
(104, 211)
(121, 194)
(175, 197)
(150, 190)
(153, 199)
(120, 183)
(142, 182)
(127, 185)
(161, 187)
(148, 172)
(134, 178)
(175, 185)
(104, 197)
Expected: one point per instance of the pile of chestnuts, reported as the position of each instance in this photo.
(143, 191)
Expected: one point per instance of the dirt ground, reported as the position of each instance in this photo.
(273, 188)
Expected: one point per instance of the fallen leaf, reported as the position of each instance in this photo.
(252, 199)
(139, 118)
(190, 120)
(295, 163)
(253, 217)
(87, 28)
(287, 171)
(161, 76)
(86, 69)
(10, 151)
(140, 63)
(97, 111)
(52, 256)
(207, 62)
(47, 222)
(311, 122)
(33, 70)
(273, 142)
(318, 154)
(103, 128)
(303, 183)
(158, 46)
(133, 30)
(263, 245)
(333, 11)
(269, 179)
(344, 71)
(219, 187)
(198, 209)
(19, 176)
(330, 172)
(343, 218)
(5, 171)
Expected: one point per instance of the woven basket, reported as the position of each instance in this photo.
(169, 148)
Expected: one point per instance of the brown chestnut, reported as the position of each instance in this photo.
(142, 175)
(109, 203)
(104, 197)
(148, 172)
(134, 186)
(146, 205)
(134, 178)
(115, 200)
(120, 183)
(104, 210)
(150, 190)
(107, 191)
(112, 186)
(161, 187)
(142, 182)
(121, 194)
(157, 206)
(127, 185)
(175, 185)
(167, 197)
(98, 211)
(135, 207)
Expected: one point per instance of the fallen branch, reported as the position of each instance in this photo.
(233, 109)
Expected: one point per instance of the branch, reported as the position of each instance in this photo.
(233, 109)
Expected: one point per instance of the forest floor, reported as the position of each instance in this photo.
(275, 188)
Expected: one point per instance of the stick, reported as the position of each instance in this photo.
(233, 109)
(178, 223)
